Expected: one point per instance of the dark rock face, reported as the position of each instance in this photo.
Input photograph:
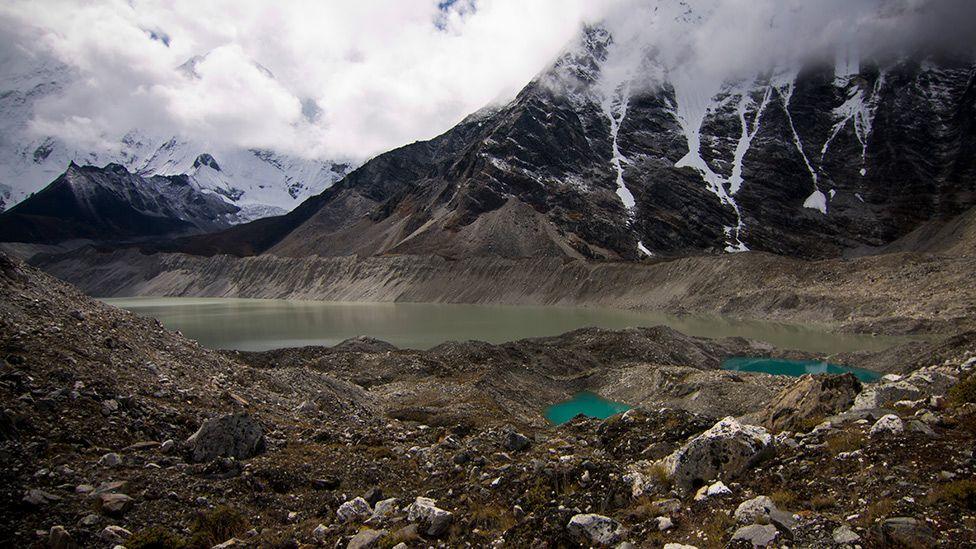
(111, 203)
(804, 163)
(238, 436)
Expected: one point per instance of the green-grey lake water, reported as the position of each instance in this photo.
(262, 324)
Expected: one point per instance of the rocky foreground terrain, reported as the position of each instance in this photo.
(117, 432)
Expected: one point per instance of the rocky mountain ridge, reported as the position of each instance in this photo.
(114, 204)
(808, 161)
(259, 182)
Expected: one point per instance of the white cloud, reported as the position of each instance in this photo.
(383, 73)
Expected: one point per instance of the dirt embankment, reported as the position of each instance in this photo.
(893, 293)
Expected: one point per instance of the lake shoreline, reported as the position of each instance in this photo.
(893, 294)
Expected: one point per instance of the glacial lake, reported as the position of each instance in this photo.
(795, 368)
(586, 403)
(263, 324)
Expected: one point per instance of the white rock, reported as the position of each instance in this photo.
(664, 523)
(354, 510)
(750, 510)
(384, 508)
(725, 450)
(887, 424)
(759, 535)
(114, 534)
(595, 529)
(843, 535)
(433, 519)
(320, 532)
(885, 394)
(711, 490)
(678, 546)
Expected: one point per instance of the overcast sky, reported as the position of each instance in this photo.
(333, 79)
(383, 73)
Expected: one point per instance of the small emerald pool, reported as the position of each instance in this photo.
(785, 367)
(586, 403)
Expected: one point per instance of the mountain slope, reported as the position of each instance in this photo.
(111, 203)
(807, 161)
(260, 182)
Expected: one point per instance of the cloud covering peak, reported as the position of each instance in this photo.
(353, 79)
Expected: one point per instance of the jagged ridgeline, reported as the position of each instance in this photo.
(628, 146)
(808, 159)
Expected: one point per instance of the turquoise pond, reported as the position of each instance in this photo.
(585, 403)
(784, 367)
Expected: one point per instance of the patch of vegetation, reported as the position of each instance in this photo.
(643, 509)
(155, 537)
(404, 535)
(878, 510)
(845, 441)
(216, 526)
(964, 392)
(491, 518)
(821, 503)
(659, 474)
(960, 493)
(784, 499)
(807, 424)
(717, 527)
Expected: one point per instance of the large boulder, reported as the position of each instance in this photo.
(354, 510)
(237, 435)
(755, 535)
(592, 529)
(810, 399)
(724, 451)
(433, 520)
(885, 394)
(889, 424)
(905, 532)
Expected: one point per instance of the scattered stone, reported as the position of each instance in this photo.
(109, 407)
(749, 511)
(232, 542)
(595, 529)
(664, 523)
(516, 442)
(114, 534)
(844, 535)
(354, 510)
(759, 535)
(715, 489)
(434, 521)
(238, 436)
(328, 483)
(90, 520)
(373, 495)
(889, 424)
(321, 532)
(111, 460)
(725, 450)
(114, 504)
(678, 546)
(39, 498)
(59, 538)
(885, 394)
(384, 508)
(906, 532)
(167, 446)
(366, 539)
